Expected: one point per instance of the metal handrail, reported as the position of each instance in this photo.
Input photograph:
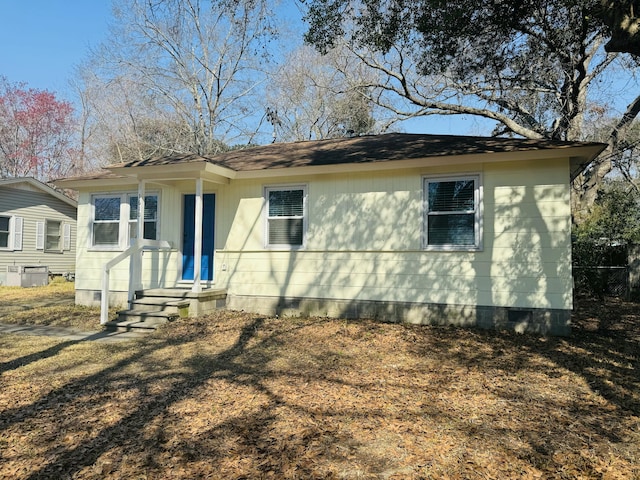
(137, 247)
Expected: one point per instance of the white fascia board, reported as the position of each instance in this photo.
(81, 184)
(187, 171)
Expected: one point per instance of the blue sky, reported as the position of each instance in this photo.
(42, 40)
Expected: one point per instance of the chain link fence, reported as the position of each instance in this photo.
(601, 281)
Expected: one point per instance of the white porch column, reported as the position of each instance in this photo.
(141, 195)
(197, 248)
(135, 265)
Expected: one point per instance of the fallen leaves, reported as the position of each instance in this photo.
(236, 396)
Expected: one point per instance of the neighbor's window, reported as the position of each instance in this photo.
(10, 232)
(285, 216)
(112, 211)
(453, 213)
(53, 236)
(5, 232)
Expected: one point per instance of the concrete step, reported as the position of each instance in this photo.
(162, 304)
(181, 293)
(140, 320)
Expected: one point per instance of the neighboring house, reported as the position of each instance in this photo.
(37, 228)
(399, 227)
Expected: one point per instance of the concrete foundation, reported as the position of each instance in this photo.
(529, 320)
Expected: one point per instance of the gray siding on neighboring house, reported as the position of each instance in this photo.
(34, 206)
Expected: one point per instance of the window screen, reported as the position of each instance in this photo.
(285, 216)
(452, 212)
(106, 220)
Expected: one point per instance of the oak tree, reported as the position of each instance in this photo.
(530, 68)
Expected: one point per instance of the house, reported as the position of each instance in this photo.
(400, 227)
(37, 232)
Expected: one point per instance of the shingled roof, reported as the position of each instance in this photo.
(363, 149)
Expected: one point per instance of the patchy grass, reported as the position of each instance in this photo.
(57, 289)
(239, 396)
(52, 304)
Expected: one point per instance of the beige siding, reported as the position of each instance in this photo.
(159, 268)
(364, 241)
(34, 206)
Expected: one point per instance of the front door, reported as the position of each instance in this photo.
(208, 217)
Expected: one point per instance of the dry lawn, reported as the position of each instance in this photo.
(49, 305)
(239, 396)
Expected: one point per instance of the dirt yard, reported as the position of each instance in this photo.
(239, 396)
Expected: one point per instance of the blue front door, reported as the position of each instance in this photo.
(208, 217)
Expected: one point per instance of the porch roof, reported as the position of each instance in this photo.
(370, 152)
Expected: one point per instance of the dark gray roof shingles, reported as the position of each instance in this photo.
(362, 149)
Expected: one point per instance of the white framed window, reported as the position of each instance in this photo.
(115, 219)
(105, 231)
(53, 236)
(150, 217)
(10, 232)
(5, 231)
(453, 213)
(286, 216)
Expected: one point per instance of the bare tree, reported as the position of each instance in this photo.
(531, 68)
(190, 65)
(115, 128)
(313, 96)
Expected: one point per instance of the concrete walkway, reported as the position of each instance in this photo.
(69, 333)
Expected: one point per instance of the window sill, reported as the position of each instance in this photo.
(452, 248)
(284, 247)
(105, 249)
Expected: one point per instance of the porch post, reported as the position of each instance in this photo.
(141, 195)
(135, 270)
(197, 250)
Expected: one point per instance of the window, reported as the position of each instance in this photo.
(285, 216)
(106, 221)
(453, 207)
(10, 232)
(150, 217)
(53, 236)
(115, 219)
(5, 231)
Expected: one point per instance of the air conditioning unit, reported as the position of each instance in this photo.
(27, 276)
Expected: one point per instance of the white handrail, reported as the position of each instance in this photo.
(137, 247)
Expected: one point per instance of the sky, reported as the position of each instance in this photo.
(42, 41)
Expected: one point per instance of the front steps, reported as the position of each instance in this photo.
(155, 307)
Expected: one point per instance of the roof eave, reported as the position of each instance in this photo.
(578, 155)
(177, 171)
(80, 183)
(43, 187)
(579, 163)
